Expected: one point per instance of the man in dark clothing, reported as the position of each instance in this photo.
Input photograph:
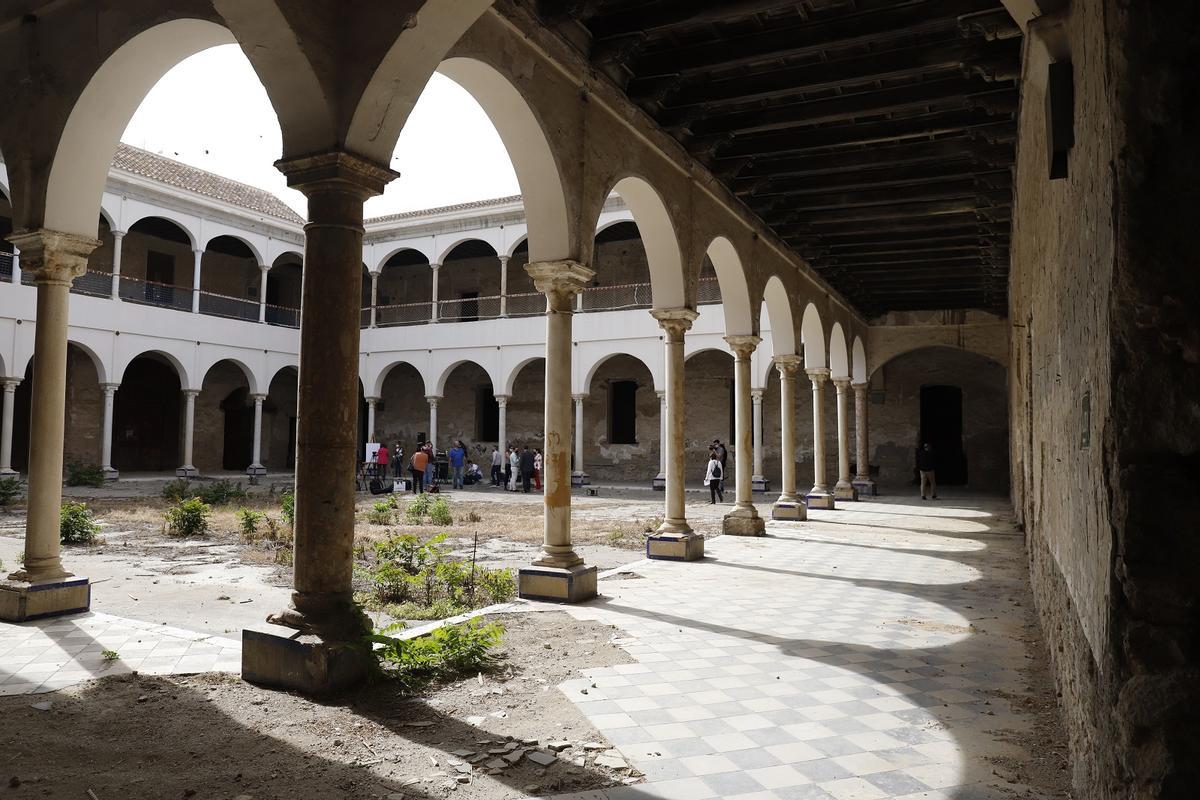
(526, 468)
(723, 457)
(926, 464)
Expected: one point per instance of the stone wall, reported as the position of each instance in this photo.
(85, 410)
(1103, 384)
(603, 460)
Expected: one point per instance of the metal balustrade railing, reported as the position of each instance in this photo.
(469, 309)
(402, 314)
(94, 283)
(615, 298)
(527, 304)
(135, 290)
(6, 266)
(284, 316)
(220, 305)
(708, 291)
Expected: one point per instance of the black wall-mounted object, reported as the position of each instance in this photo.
(1060, 117)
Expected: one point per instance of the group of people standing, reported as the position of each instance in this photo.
(422, 465)
(517, 466)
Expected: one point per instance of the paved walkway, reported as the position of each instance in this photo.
(862, 655)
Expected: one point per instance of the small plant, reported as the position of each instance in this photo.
(383, 512)
(222, 493)
(109, 655)
(10, 489)
(439, 512)
(178, 489)
(249, 521)
(274, 531)
(472, 516)
(496, 585)
(76, 525)
(188, 518)
(416, 510)
(84, 475)
(449, 652)
(287, 505)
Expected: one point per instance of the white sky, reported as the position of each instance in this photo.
(212, 112)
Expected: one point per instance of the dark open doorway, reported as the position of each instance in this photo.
(942, 427)
(239, 430)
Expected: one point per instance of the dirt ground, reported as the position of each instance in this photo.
(212, 736)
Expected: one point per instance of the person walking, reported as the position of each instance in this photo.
(713, 475)
(526, 463)
(381, 461)
(514, 469)
(458, 457)
(927, 466)
(497, 470)
(537, 469)
(420, 460)
(723, 456)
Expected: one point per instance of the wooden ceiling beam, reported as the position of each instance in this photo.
(905, 153)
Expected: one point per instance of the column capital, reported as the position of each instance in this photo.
(842, 384)
(53, 257)
(372, 399)
(579, 398)
(198, 251)
(860, 386)
(560, 281)
(109, 388)
(743, 345)
(335, 170)
(264, 267)
(435, 266)
(756, 395)
(788, 365)
(502, 399)
(258, 397)
(190, 393)
(116, 234)
(11, 384)
(818, 374)
(675, 321)
(433, 399)
(662, 394)
(503, 260)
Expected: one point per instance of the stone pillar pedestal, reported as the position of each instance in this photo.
(110, 391)
(743, 520)
(6, 427)
(674, 540)
(188, 469)
(819, 495)
(788, 506)
(256, 468)
(843, 489)
(578, 476)
(330, 653)
(659, 482)
(862, 478)
(42, 587)
(559, 574)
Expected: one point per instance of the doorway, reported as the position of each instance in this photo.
(238, 447)
(942, 427)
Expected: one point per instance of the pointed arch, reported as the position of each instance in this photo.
(735, 292)
(812, 337)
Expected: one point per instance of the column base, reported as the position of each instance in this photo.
(740, 522)
(789, 510)
(187, 471)
(579, 479)
(759, 484)
(819, 500)
(21, 601)
(110, 474)
(845, 491)
(9, 473)
(305, 663)
(256, 469)
(557, 585)
(675, 547)
(659, 482)
(864, 486)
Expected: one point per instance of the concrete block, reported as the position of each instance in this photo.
(187, 472)
(794, 512)
(675, 547)
(824, 501)
(738, 524)
(111, 474)
(865, 488)
(256, 469)
(305, 664)
(845, 493)
(20, 601)
(555, 585)
(579, 479)
(659, 483)
(760, 485)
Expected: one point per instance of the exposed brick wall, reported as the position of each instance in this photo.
(621, 462)
(85, 410)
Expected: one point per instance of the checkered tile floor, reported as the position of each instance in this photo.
(52, 654)
(859, 656)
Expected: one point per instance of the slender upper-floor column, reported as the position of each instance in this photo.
(433, 312)
(788, 506)
(263, 270)
(504, 286)
(559, 571)
(6, 428)
(198, 258)
(118, 239)
(843, 490)
(675, 322)
(862, 439)
(579, 476)
(433, 421)
(256, 466)
(374, 295)
(371, 403)
(106, 431)
(819, 495)
(757, 481)
(55, 259)
(743, 520)
(502, 422)
(188, 469)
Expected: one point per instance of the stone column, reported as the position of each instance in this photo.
(758, 481)
(660, 480)
(199, 256)
(262, 292)
(559, 573)
(862, 478)
(502, 422)
(329, 653)
(16, 267)
(578, 476)
(374, 295)
(743, 520)
(188, 469)
(6, 428)
(433, 313)
(504, 286)
(433, 406)
(819, 496)
(371, 403)
(106, 431)
(788, 506)
(674, 540)
(55, 259)
(118, 238)
(256, 466)
(843, 490)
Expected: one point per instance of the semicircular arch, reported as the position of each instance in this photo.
(812, 338)
(735, 291)
(839, 357)
(779, 314)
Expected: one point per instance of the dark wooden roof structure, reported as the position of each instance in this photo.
(875, 137)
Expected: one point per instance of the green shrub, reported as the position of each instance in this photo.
(287, 505)
(249, 521)
(495, 585)
(84, 475)
(178, 489)
(415, 611)
(383, 512)
(188, 518)
(439, 512)
(76, 525)
(450, 652)
(416, 510)
(275, 532)
(10, 489)
(222, 493)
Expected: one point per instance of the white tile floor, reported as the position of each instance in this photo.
(52, 654)
(854, 657)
